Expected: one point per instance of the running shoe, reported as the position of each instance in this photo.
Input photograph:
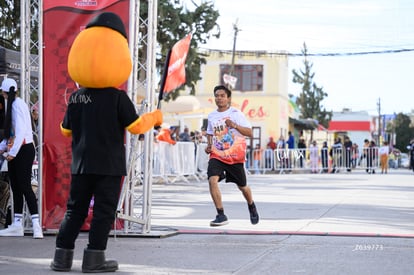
(13, 230)
(220, 220)
(254, 216)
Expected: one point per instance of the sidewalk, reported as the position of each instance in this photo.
(310, 224)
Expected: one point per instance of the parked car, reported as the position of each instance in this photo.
(404, 160)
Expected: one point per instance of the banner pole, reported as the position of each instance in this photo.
(164, 79)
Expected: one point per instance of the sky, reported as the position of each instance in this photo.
(361, 82)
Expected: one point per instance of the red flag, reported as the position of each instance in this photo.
(176, 65)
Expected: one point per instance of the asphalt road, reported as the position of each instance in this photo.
(347, 223)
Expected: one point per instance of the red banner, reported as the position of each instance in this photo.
(62, 22)
(176, 64)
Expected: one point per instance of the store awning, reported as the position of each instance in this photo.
(184, 103)
(304, 124)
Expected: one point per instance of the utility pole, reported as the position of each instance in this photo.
(379, 121)
(236, 30)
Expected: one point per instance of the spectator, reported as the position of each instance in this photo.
(364, 159)
(314, 156)
(185, 136)
(20, 154)
(203, 135)
(324, 157)
(371, 154)
(384, 151)
(411, 148)
(336, 154)
(355, 155)
(281, 143)
(291, 140)
(302, 151)
(271, 144)
(156, 132)
(269, 157)
(35, 124)
(2, 116)
(348, 153)
(165, 135)
(174, 130)
(257, 156)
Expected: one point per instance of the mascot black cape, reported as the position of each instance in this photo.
(96, 118)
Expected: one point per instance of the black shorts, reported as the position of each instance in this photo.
(231, 172)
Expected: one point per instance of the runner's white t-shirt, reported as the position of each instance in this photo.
(229, 145)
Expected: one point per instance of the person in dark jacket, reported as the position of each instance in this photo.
(372, 153)
(302, 151)
(348, 153)
(325, 157)
(411, 152)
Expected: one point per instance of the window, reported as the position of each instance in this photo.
(249, 77)
(251, 144)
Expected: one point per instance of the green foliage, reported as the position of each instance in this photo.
(310, 99)
(10, 25)
(404, 132)
(174, 23)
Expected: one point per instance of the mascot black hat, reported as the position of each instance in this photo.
(109, 20)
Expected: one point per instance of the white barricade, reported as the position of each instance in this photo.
(318, 160)
(174, 162)
(185, 159)
(161, 160)
(201, 160)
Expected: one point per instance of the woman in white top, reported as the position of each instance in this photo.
(18, 149)
(314, 157)
(384, 151)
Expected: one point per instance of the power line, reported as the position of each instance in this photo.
(284, 53)
(359, 53)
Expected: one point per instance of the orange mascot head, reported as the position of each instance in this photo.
(99, 56)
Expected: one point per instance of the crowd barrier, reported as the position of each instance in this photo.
(186, 160)
(312, 160)
(179, 161)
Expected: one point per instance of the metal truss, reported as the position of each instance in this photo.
(31, 77)
(135, 202)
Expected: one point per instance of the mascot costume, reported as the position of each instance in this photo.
(96, 118)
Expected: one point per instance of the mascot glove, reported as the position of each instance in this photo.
(158, 117)
(145, 122)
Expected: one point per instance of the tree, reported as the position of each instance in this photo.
(10, 25)
(174, 23)
(404, 133)
(310, 99)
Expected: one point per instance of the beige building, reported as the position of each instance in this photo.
(260, 92)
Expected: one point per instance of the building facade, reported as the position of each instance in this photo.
(358, 126)
(260, 92)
